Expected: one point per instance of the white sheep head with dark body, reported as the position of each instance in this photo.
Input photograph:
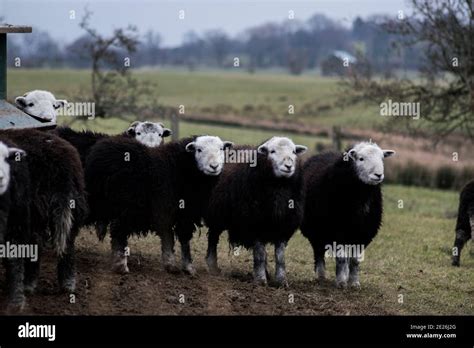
(6, 153)
(40, 104)
(282, 153)
(368, 160)
(209, 153)
(149, 133)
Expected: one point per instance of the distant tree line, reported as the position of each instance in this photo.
(292, 45)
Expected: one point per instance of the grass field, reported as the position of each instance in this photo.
(259, 95)
(409, 259)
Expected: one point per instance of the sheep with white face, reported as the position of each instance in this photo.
(150, 134)
(368, 161)
(42, 105)
(209, 153)
(5, 154)
(283, 153)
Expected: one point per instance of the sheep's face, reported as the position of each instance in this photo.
(40, 104)
(368, 160)
(209, 153)
(148, 133)
(5, 154)
(282, 153)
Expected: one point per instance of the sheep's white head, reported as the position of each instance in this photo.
(209, 153)
(282, 153)
(7, 153)
(149, 133)
(368, 160)
(40, 104)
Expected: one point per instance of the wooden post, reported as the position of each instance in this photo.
(3, 66)
(336, 138)
(175, 125)
(4, 30)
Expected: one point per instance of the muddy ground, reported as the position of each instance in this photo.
(149, 290)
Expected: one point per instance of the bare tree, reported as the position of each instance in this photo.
(114, 90)
(219, 43)
(444, 30)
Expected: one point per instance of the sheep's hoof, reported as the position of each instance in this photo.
(172, 268)
(456, 262)
(260, 281)
(355, 285)
(281, 282)
(321, 277)
(120, 268)
(341, 284)
(16, 307)
(190, 270)
(214, 270)
(68, 286)
(30, 288)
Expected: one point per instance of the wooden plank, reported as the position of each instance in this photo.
(12, 117)
(7, 28)
(3, 66)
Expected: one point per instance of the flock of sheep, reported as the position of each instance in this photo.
(52, 183)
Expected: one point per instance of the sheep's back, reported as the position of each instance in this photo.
(466, 204)
(119, 181)
(338, 207)
(253, 205)
(55, 169)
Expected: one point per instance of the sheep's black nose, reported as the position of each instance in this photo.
(378, 175)
(288, 166)
(213, 166)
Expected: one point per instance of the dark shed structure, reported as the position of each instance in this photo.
(10, 116)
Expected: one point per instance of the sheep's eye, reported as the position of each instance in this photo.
(273, 151)
(31, 105)
(139, 133)
(161, 134)
(199, 150)
(361, 159)
(222, 149)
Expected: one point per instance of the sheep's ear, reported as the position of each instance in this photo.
(161, 124)
(131, 129)
(167, 132)
(60, 103)
(228, 144)
(352, 154)
(300, 149)
(263, 149)
(14, 151)
(191, 147)
(20, 102)
(388, 153)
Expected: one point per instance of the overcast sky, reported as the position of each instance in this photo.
(232, 16)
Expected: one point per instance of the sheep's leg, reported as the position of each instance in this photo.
(319, 263)
(32, 270)
(462, 236)
(16, 295)
(260, 264)
(66, 265)
(211, 256)
(342, 271)
(354, 272)
(185, 234)
(167, 252)
(280, 269)
(119, 246)
(461, 239)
